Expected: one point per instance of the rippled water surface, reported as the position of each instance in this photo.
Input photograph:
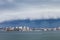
(51, 35)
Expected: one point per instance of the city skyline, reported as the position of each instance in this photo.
(29, 19)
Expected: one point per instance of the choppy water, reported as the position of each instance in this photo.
(52, 35)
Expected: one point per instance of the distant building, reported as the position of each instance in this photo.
(24, 28)
(45, 29)
(20, 27)
(54, 29)
(49, 29)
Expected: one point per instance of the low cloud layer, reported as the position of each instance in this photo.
(32, 9)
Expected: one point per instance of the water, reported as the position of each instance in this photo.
(51, 35)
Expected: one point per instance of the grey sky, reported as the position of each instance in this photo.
(32, 9)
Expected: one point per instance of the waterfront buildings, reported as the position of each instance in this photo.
(25, 28)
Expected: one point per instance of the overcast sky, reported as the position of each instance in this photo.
(32, 9)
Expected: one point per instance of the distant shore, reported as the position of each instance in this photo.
(24, 28)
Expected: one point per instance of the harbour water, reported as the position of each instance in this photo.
(49, 35)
